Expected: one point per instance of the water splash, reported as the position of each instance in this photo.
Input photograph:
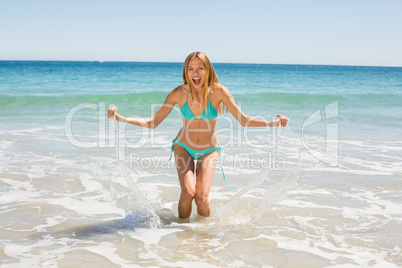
(266, 188)
(135, 201)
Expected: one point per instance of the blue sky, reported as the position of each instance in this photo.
(339, 32)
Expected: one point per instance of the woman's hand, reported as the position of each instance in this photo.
(282, 120)
(111, 113)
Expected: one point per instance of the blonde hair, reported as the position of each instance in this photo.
(212, 78)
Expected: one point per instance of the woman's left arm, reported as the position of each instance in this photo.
(245, 120)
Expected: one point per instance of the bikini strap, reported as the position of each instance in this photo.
(187, 94)
(172, 149)
(220, 161)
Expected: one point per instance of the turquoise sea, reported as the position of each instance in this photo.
(80, 190)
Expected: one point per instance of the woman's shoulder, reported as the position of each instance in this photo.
(178, 93)
(180, 90)
(219, 89)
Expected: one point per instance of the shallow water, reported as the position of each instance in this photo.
(76, 207)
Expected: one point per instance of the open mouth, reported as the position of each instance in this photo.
(197, 80)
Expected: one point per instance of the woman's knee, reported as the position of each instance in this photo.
(201, 200)
(188, 195)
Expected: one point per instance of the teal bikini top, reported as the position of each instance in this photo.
(208, 113)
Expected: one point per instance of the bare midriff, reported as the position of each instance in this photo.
(198, 134)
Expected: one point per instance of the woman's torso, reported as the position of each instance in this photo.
(198, 134)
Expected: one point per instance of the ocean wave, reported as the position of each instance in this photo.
(158, 97)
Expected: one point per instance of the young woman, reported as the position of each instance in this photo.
(201, 98)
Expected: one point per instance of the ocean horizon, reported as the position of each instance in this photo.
(180, 62)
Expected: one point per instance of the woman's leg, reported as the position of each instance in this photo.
(205, 173)
(185, 172)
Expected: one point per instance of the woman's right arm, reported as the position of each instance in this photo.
(245, 120)
(149, 122)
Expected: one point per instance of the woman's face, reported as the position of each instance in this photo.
(196, 73)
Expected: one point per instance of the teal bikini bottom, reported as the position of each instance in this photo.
(195, 154)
